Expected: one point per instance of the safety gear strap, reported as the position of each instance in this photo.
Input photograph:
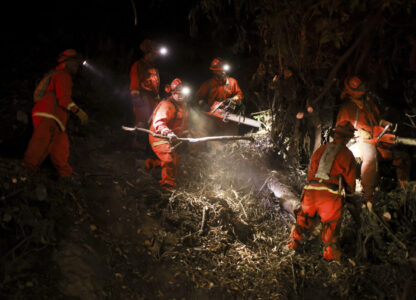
(357, 112)
(327, 160)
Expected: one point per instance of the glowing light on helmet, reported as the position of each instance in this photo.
(163, 51)
(186, 91)
(85, 63)
(218, 64)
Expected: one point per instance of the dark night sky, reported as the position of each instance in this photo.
(41, 29)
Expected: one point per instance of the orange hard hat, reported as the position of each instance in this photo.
(176, 85)
(69, 54)
(217, 64)
(345, 128)
(354, 86)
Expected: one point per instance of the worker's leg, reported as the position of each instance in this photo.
(60, 153)
(369, 170)
(400, 159)
(330, 211)
(39, 144)
(168, 162)
(303, 219)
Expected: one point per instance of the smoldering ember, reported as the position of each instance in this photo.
(208, 149)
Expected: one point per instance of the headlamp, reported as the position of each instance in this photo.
(226, 67)
(186, 91)
(163, 51)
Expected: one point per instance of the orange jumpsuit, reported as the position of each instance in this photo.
(49, 116)
(325, 197)
(144, 89)
(218, 90)
(364, 116)
(168, 116)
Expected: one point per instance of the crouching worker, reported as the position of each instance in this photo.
(53, 98)
(331, 178)
(169, 119)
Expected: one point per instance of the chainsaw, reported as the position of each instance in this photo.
(384, 137)
(219, 110)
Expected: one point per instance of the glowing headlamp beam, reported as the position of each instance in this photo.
(186, 91)
(163, 51)
(226, 67)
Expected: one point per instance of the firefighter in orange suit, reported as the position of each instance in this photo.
(144, 88)
(362, 112)
(50, 115)
(331, 178)
(219, 88)
(169, 119)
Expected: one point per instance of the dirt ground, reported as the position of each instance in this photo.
(111, 233)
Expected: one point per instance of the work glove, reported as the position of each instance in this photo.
(235, 99)
(173, 139)
(82, 115)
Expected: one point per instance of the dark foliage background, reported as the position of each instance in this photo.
(321, 42)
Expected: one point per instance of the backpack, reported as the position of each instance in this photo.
(40, 89)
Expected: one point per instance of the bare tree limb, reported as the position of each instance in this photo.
(330, 80)
(134, 11)
(192, 140)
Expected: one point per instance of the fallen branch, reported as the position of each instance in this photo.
(388, 230)
(204, 220)
(192, 140)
